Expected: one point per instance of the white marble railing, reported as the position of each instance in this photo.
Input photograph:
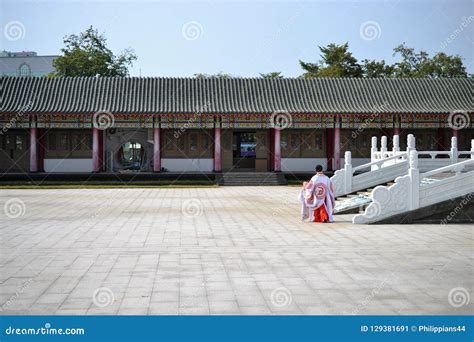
(412, 191)
(386, 165)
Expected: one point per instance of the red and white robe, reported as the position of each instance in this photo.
(317, 199)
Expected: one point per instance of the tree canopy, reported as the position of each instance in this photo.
(338, 61)
(273, 74)
(218, 75)
(87, 54)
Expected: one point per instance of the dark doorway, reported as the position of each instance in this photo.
(131, 156)
(14, 151)
(244, 150)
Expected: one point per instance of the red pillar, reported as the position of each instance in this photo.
(337, 147)
(271, 144)
(455, 133)
(217, 150)
(329, 147)
(276, 151)
(33, 149)
(41, 149)
(101, 150)
(156, 150)
(396, 131)
(95, 150)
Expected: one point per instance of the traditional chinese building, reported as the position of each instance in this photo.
(97, 124)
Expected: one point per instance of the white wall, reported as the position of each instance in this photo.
(183, 164)
(301, 164)
(67, 165)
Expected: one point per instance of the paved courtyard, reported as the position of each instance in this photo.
(228, 250)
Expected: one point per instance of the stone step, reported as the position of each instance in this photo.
(252, 178)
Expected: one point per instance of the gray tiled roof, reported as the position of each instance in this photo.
(236, 95)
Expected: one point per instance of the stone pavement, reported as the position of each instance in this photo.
(227, 250)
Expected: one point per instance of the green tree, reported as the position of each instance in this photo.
(336, 61)
(220, 75)
(87, 54)
(273, 74)
(442, 65)
(376, 69)
(419, 64)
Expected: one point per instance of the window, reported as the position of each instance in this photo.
(319, 141)
(193, 142)
(169, 141)
(284, 142)
(180, 142)
(76, 142)
(24, 70)
(295, 141)
(18, 142)
(307, 141)
(86, 142)
(63, 142)
(68, 144)
(51, 142)
(205, 141)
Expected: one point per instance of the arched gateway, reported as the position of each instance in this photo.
(202, 125)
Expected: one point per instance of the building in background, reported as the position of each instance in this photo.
(25, 63)
(114, 124)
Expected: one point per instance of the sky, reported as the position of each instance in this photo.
(242, 38)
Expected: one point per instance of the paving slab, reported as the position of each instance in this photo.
(226, 250)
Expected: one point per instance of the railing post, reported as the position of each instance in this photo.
(414, 174)
(348, 172)
(472, 149)
(411, 143)
(373, 150)
(383, 146)
(396, 144)
(454, 150)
